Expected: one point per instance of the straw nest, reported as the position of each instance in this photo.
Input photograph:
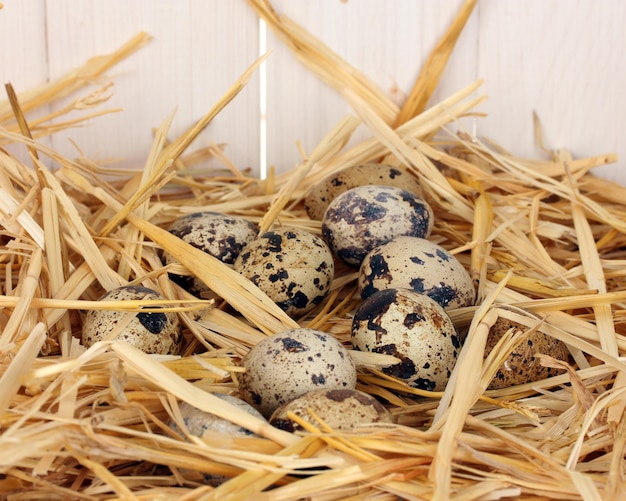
(543, 239)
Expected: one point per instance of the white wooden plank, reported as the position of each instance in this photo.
(23, 58)
(199, 49)
(563, 59)
(386, 41)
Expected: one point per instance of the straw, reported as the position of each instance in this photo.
(543, 239)
(436, 63)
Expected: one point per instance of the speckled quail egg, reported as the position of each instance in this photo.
(521, 366)
(219, 235)
(322, 193)
(199, 423)
(292, 266)
(413, 328)
(151, 332)
(367, 216)
(417, 264)
(289, 364)
(342, 410)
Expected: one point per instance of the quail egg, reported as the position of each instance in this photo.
(342, 410)
(417, 264)
(199, 423)
(292, 266)
(521, 366)
(364, 217)
(413, 328)
(151, 332)
(289, 364)
(219, 235)
(327, 189)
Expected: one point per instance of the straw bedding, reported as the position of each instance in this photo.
(543, 240)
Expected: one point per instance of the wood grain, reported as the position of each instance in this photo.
(560, 58)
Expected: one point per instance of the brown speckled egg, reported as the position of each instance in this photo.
(289, 364)
(420, 265)
(219, 235)
(199, 423)
(151, 332)
(521, 366)
(368, 216)
(413, 328)
(342, 410)
(292, 266)
(322, 193)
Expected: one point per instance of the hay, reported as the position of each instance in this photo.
(543, 240)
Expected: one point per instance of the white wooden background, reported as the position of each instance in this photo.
(562, 58)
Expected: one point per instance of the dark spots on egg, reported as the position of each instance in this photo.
(393, 173)
(405, 369)
(411, 327)
(149, 331)
(318, 299)
(291, 345)
(218, 235)
(293, 267)
(444, 256)
(274, 241)
(424, 384)
(322, 266)
(417, 260)
(379, 267)
(443, 294)
(413, 318)
(417, 284)
(521, 366)
(274, 277)
(285, 424)
(338, 395)
(422, 266)
(152, 321)
(456, 341)
(298, 301)
(305, 360)
(364, 217)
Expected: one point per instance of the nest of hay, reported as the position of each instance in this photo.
(544, 241)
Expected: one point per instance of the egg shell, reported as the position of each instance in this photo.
(151, 332)
(413, 328)
(342, 410)
(521, 366)
(292, 266)
(420, 265)
(289, 364)
(199, 423)
(219, 235)
(323, 192)
(365, 217)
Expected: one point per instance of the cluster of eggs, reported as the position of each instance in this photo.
(374, 217)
